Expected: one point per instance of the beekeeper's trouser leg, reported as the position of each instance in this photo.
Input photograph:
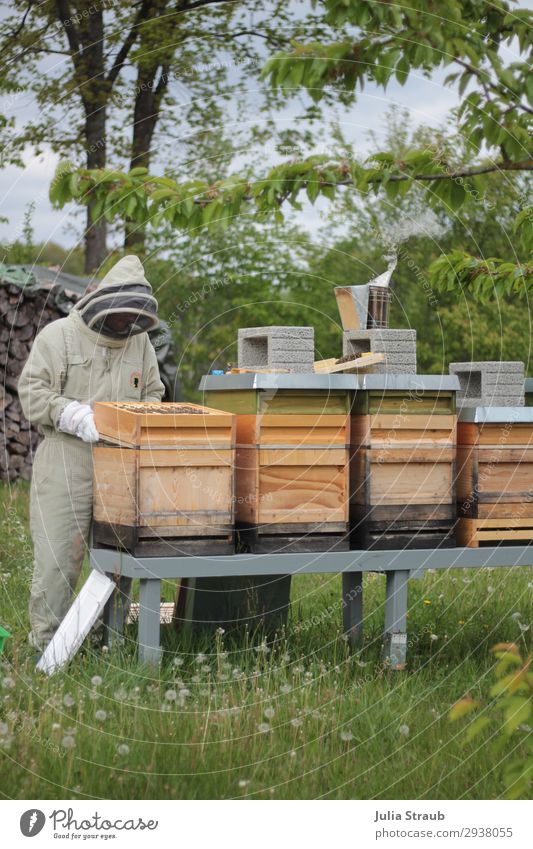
(60, 518)
(61, 502)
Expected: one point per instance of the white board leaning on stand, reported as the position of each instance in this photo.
(84, 612)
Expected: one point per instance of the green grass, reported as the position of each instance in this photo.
(299, 720)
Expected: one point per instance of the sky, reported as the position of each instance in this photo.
(428, 101)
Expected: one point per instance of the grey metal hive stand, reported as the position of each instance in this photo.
(398, 566)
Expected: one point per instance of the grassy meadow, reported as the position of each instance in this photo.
(295, 719)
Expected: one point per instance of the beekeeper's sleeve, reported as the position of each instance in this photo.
(153, 387)
(40, 382)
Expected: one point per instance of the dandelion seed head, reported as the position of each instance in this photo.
(100, 715)
(346, 736)
(404, 730)
(96, 680)
(68, 741)
(269, 712)
(171, 695)
(68, 700)
(123, 749)
(263, 727)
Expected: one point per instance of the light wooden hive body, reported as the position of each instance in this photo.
(402, 478)
(292, 467)
(163, 474)
(494, 483)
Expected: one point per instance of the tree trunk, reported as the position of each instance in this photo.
(144, 123)
(145, 117)
(95, 92)
(95, 234)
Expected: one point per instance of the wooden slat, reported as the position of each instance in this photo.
(366, 361)
(501, 510)
(313, 422)
(303, 457)
(502, 434)
(501, 454)
(411, 483)
(166, 531)
(501, 523)
(470, 532)
(411, 421)
(216, 436)
(300, 494)
(504, 535)
(179, 489)
(184, 457)
(505, 479)
(416, 454)
(302, 436)
(115, 485)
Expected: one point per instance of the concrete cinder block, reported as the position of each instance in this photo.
(277, 346)
(399, 347)
(490, 383)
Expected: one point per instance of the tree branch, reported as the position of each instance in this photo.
(63, 13)
(122, 55)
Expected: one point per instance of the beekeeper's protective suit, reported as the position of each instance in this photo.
(100, 352)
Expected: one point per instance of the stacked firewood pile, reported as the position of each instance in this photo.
(23, 312)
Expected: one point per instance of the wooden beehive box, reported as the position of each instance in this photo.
(495, 476)
(291, 470)
(402, 462)
(163, 480)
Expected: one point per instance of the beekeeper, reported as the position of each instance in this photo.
(100, 352)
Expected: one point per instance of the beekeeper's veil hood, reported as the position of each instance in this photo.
(124, 290)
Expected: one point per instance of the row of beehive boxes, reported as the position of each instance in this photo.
(305, 469)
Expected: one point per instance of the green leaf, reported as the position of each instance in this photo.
(518, 712)
(462, 708)
(477, 726)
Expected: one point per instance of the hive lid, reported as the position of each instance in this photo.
(227, 382)
(496, 415)
(398, 382)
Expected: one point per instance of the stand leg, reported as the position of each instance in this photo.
(352, 608)
(116, 612)
(149, 602)
(395, 633)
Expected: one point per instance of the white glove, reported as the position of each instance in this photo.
(87, 429)
(78, 420)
